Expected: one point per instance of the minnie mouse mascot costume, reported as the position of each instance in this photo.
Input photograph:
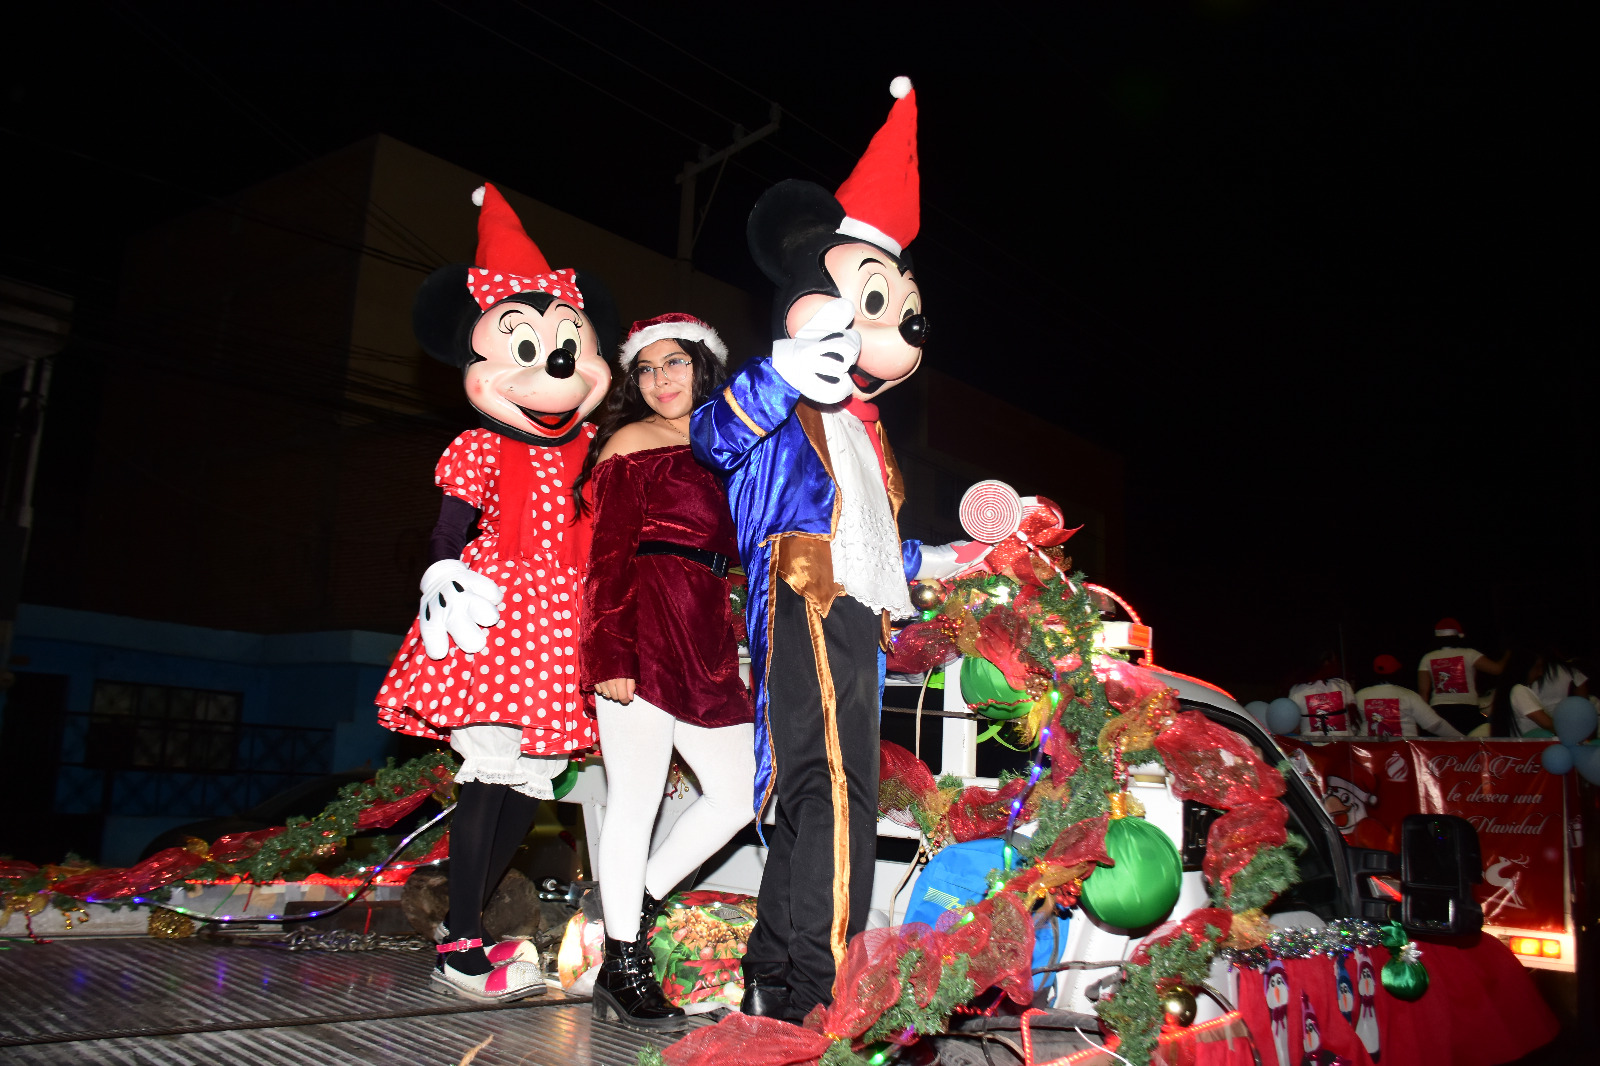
(490, 663)
(814, 491)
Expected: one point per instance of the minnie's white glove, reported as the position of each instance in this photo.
(458, 605)
(945, 561)
(817, 360)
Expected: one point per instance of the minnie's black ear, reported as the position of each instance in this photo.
(791, 218)
(601, 310)
(443, 314)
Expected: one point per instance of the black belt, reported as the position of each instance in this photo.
(717, 564)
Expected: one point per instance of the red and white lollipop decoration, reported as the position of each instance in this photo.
(992, 512)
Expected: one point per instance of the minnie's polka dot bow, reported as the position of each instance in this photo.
(489, 288)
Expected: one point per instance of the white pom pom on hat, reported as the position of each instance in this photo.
(900, 87)
(477, 196)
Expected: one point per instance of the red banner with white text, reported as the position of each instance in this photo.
(1369, 786)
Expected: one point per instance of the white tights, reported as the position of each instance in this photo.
(637, 741)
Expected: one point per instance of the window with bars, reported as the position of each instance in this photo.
(162, 727)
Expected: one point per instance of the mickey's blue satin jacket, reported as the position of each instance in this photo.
(777, 485)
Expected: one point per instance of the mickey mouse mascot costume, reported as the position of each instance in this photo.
(489, 664)
(815, 491)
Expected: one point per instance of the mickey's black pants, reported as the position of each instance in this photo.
(795, 912)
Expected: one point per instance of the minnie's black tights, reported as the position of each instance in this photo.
(489, 824)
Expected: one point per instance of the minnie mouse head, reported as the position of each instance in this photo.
(816, 246)
(530, 341)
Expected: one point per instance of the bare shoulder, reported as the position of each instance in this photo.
(634, 437)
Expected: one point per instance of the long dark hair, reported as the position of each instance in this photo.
(1501, 717)
(625, 404)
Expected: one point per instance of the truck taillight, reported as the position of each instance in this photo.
(1535, 946)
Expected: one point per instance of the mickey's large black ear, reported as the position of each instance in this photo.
(443, 314)
(601, 310)
(790, 218)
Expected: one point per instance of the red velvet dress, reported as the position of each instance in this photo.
(661, 619)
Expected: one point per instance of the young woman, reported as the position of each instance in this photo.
(657, 648)
(1517, 711)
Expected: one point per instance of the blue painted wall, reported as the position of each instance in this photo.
(313, 680)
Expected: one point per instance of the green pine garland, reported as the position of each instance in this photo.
(1135, 1013)
(954, 989)
(1263, 878)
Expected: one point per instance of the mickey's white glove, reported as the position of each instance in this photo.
(458, 605)
(817, 360)
(944, 561)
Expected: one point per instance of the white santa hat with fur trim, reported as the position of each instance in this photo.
(673, 326)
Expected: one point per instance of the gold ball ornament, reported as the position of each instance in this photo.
(926, 595)
(1179, 1007)
(169, 925)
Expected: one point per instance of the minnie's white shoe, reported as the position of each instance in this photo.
(508, 981)
(515, 949)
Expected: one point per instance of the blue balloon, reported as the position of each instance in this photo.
(1557, 758)
(1586, 758)
(1258, 710)
(1283, 716)
(1574, 719)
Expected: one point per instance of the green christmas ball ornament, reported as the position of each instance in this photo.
(563, 782)
(986, 691)
(1141, 888)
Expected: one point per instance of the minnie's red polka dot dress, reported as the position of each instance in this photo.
(528, 675)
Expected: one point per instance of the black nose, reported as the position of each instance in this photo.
(561, 364)
(914, 330)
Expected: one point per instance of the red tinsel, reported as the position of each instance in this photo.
(237, 847)
(1235, 838)
(1213, 765)
(904, 782)
(1193, 927)
(983, 812)
(1003, 640)
(922, 646)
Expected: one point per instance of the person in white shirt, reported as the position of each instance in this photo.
(1559, 681)
(1517, 710)
(1447, 677)
(1391, 710)
(1325, 706)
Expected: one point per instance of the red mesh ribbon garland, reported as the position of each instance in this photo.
(866, 986)
(748, 1041)
(1235, 838)
(999, 941)
(983, 812)
(237, 847)
(1070, 858)
(1193, 927)
(158, 871)
(1064, 757)
(922, 646)
(17, 868)
(383, 815)
(904, 783)
(1003, 639)
(1213, 765)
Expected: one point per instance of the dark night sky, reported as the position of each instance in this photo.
(1316, 269)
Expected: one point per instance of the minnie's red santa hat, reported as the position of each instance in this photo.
(674, 326)
(508, 261)
(882, 197)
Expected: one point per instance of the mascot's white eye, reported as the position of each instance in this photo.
(567, 336)
(912, 306)
(875, 296)
(526, 347)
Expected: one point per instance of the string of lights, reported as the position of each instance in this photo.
(372, 873)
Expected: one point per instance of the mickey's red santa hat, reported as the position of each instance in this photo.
(508, 261)
(674, 326)
(882, 197)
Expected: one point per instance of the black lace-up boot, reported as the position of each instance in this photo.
(626, 989)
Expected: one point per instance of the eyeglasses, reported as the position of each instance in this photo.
(676, 369)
